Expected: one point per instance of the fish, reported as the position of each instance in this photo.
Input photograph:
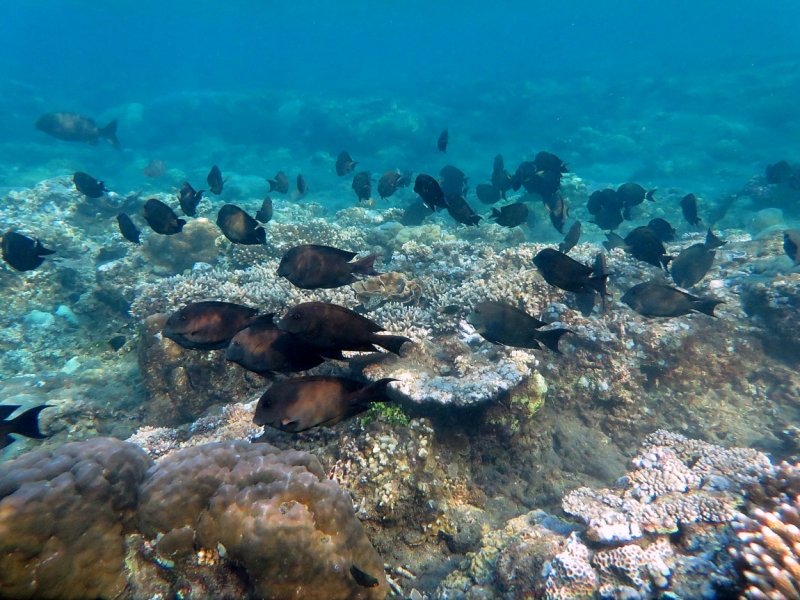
(608, 219)
(633, 194)
(363, 579)
(571, 239)
(189, 199)
(443, 140)
(641, 243)
(117, 342)
(302, 188)
(214, 180)
(651, 299)
(695, 261)
(542, 175)
(504, 324)
(331, 327)
(607, 199)
(549, 163)
(155, 169)
(712, 241)
(161, 218)
(488, 194)
(23, 253)
(72, 127)
(264, 214)
(207, 325)
(453, 182)
(298, 404)
(280, 184)
(127, 228)
(405, 179)
(344, 164)
(362, 186)
(501, 180)
(791, 244)
(239, 227)
(780, 172)
(689, 209)
(568, 274)
(430, 191)
(26, 424)
(312, 267)
(263, 348)
(462, 212)
(388, 184)
(557, 207)
(511, 215)
(415, 214)
(498, 164)
(663, 230)
(88, 185)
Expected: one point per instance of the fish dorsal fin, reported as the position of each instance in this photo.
(6, 410)
(331, 251)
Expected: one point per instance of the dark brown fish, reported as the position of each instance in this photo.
(488, 194)
(415, 214)
(161, 218)
(264, 214)
(363, 579)
(643, 244)
(117, 342)
(443, 140)
(23, 253)
(88, 185)
(214, 180)
(713, 241)
(280, 184)
(511, 215)
(780, 172)
(663, 230)
(155, 169)
(501, 323)
(462, 212)
(302, 188)
(632, 194)
(453, 182)
(189, 199)
(689, 208)
(330, 327)
(388, 184)
(563, 272)
(72, 127)
(651, 299)
(127, 228)
(557, 207)
(791, 244)
(608, 219)
(430, 191)
(313, 267)
(207, 325)
(571, 239)
(301, 403)
(607, 199)
(263, 348)
(239, 227)
(344, 164)
(26, 424)
(549, 163)
(498, 165)
(501, 180)
(362, 186)
(692, 265)
(405, 179)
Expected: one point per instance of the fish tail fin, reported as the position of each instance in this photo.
(651, 195)
(707, 306)
(376, 392)
(598, 283)
(392, 343)
(109, 133)
(626, 214)
(712, 241)
(42, 251)
(366, 265)
(550, 338)
(614, 241)
(27, 423)
(495, 213)
(272, 184)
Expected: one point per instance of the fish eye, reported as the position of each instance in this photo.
(296, 316)
(183, 317)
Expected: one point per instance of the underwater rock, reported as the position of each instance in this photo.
(176, 253)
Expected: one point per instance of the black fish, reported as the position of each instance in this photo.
(462, 212)
(127, 228)
(22, 252)
(608, 219)
(280, 184)
(208, 325)
(453, 182)
(632, 194)
(557, 207)
(72, 127)
(239, 227)
(488, 194)
(415, 214)
(161, 218)
(117, 342)
(264, 214)
(651, 299)
(791, 244)
(571, 239)
(441, 143)
(26, 424)
(344, 164)
(405, 179)
(189, 199)
(302, 188)
(498, 165)
(695, 261)
(362, 186)
(311, 267)
(713, 241)
(641, 243)
(301, 403)
(363, 579)
(88, 185)
(563, 272)
(689, 208)
(501, 180)
(780, 172)
(501, 323)
(389, 184)
(430, 191)
(510, 215)
(607, 199)
(663, 230)
(549, 163)
(215, 182)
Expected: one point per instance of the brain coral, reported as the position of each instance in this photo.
(294, 530)
(62, 519)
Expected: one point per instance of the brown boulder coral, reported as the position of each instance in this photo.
(275, 513)
(387, 287)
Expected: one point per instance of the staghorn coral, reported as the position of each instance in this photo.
(274, 512)
(62, 519)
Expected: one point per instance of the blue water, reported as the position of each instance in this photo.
(693, 94)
